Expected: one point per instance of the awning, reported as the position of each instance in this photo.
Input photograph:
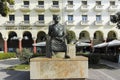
(101, 45)
(82, 44)
(40, 44)
(114, 43)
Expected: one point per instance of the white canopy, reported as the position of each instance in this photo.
(82, 44)
(114, 43)
(108, 44)
(101, 45)
(40, 44)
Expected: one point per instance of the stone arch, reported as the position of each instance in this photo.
(27, 40)
(84, 36)
(98, 37)
(41, 36)
(12, 42)
(111, 35)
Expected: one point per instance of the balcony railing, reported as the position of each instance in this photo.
(69, 7)
(98, 8)
(25, 24)
(99, 23)
(40, 8)
(10, 24)
(111, 24)
(55, 8)
(70, 22)
(12, 8)
(25, 8)
(112, 8)
(84, 23)
(40, 23)
(84, 8)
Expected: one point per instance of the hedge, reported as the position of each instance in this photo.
(7, 55)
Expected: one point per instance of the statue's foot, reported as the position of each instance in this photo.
(67, 57)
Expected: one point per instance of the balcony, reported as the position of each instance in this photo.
(70, 23)
(40, 8)
(98, 8)
(10, 24)
(84, 8)
(40, 23)
(11, 8)
(25, 24)
(111, 24)
(112, 8)
(70, 8)
(55, 8)
(25, 8)
(99, 23)
(84, 23)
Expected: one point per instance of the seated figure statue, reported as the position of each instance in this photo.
(57, 37)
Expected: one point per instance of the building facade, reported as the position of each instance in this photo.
(28, 21)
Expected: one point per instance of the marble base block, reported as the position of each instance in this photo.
(58, 68)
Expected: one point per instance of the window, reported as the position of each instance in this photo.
(40, 2)
(26, 17)
(70, 17)
(11, 17)
(84, 17)
(41, 17)
(98, 17)
(98, 2)
(70, 2)
(26, 2)
(112, 2)
(84, 2)
(55, 3)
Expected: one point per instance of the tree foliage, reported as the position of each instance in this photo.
(24, 55)
(4, 9)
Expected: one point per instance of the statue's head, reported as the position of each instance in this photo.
(56, 18)
(116, 19)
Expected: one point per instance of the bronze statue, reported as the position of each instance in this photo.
(116, 19)
(57, 37)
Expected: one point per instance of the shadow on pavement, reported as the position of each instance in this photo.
(16, 75)
(99, 66)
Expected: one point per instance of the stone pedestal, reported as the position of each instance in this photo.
(58, 68)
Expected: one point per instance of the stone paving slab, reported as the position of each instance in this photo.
(9, 62)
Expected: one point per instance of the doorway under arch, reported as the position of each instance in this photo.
(12, 42)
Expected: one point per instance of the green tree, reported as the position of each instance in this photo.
(24, 56)
(70, 36)
(4, 9)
